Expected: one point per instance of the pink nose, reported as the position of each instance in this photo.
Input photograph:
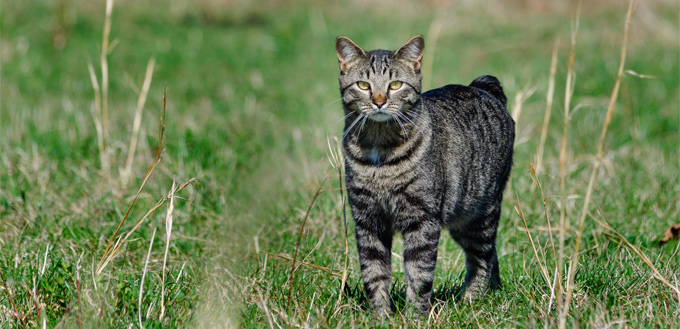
(379, 104)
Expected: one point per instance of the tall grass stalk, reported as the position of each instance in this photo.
(544, 270)
(127, 172)
(107, 252)
(168, 232)
(338, 163)
(110, 252)
(432, 37)
(596, 165)
(548, 108)
(520, 97)
(105, 71)
(291, 278)
(568, 93)
(97, 116)
(141, 284)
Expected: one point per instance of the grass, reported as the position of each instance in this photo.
(251, 98)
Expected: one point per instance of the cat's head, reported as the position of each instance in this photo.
(380, 84)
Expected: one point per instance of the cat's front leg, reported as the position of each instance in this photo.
(421, 239)
(374, 243)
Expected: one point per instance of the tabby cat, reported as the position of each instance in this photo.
(417, 164)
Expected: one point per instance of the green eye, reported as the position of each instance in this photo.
(363, 85)
(394, 85)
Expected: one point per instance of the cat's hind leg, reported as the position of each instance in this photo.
(478, 240)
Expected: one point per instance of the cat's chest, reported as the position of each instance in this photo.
(380, 179)
(374, 155)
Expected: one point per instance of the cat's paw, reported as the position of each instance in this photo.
(383, 313)
(418, 312)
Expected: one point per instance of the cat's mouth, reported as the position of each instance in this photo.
(379, 115)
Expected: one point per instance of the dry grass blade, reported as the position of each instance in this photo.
(544, 271)
(548, 108)
(168, 231)
(598, 159)
(16, 314)
(105, 70)
(534, 177)
(103, 158)
(79, 319)
(568, 93)
(138, 120)
(340, 166)
(311, 306)
(432, 37)
(302, 262)
(557, 280)
(264, 307)
(123, 239)
(141, 284)
(302, 228)
(107, 251)
(637, 251)
(520, 97)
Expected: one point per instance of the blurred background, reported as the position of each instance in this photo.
(252, 97)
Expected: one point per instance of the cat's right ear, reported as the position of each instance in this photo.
(412, 51)
(347, 52)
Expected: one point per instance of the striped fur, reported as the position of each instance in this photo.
(419, 164)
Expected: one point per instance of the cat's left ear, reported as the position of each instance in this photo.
(347, 51)
(412, 51)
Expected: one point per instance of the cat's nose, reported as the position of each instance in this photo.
(379, 104)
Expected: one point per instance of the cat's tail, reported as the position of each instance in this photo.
(492, 86)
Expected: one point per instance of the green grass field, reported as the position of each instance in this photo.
(251, 104)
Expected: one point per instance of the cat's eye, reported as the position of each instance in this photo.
(394, 85)
(363, 85)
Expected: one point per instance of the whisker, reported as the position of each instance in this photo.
(335, 101)
(352, 125)
(415, 120)
(395, 116)
(346, 116)
(362, 124)
(407, 118)
(406, 121)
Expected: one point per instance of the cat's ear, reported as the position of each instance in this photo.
(347, 51)
(412, 51)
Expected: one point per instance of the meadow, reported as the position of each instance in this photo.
(259, 235)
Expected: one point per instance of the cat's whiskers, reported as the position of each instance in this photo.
(395, 116)
(335, 101)
(361, 115)
(416, 120)
(363, 122)
(346, 116)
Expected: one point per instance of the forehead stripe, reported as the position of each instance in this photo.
(379, 65)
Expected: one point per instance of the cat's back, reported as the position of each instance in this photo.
(473, 114)
(473, 133)
(471, 105)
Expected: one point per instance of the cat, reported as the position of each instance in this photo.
(419, 163)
